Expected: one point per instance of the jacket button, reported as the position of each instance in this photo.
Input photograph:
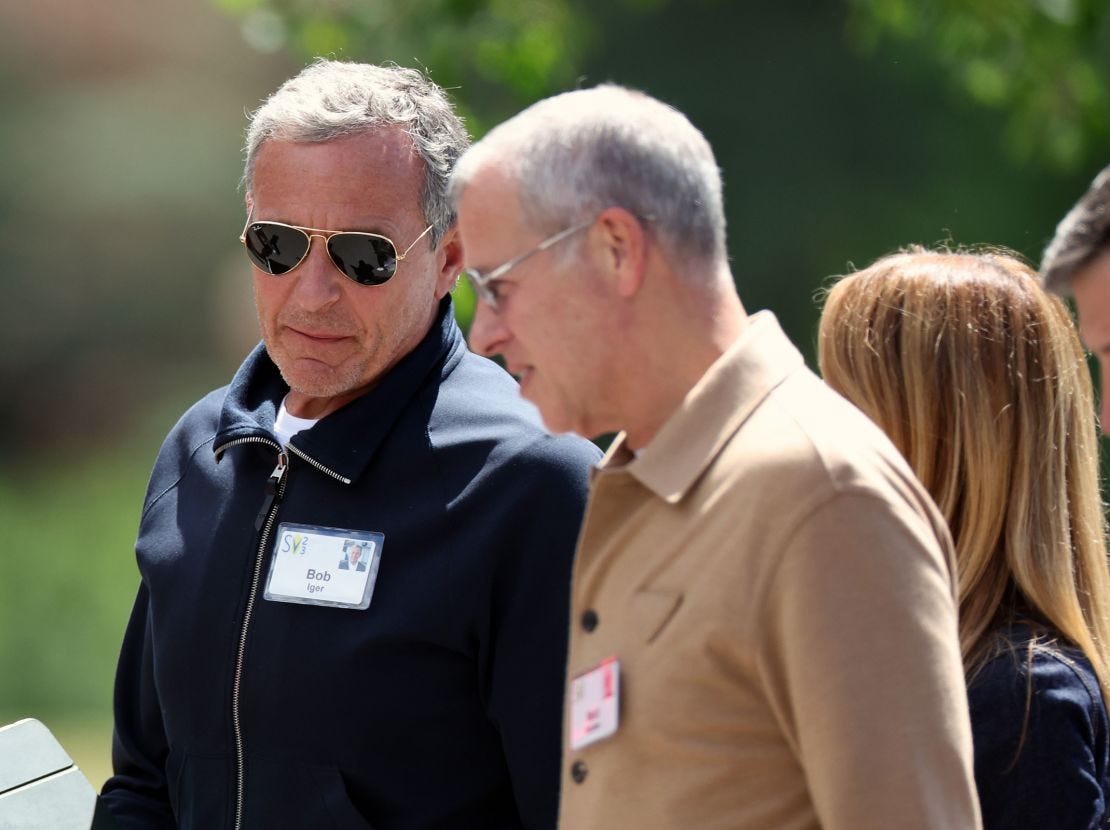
(589, 619)
(579, 771)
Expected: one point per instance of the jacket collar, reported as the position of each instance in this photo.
(711, 413)
(345, 440)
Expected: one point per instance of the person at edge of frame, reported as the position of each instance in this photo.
(1076, 262)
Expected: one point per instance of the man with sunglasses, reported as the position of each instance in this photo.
(763, 607)
(361, 420)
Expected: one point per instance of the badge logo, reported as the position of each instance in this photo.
(295, 544)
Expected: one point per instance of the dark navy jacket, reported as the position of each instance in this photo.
(438, 706)
(1058, 776)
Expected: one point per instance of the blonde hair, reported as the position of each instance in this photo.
(978, 377)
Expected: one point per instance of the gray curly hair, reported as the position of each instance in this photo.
(329, 99)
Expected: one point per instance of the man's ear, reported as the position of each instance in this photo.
(449, 261)
(623, 246)
(250, 203)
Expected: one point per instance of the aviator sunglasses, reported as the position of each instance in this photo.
(366, 258)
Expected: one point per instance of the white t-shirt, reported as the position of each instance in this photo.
(286, 425)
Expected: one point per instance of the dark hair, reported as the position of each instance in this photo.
(1080, 237)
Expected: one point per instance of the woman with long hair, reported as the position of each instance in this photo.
(978, 377)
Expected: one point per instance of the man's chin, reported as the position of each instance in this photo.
(554, 420)
(321, 388)
(315, 386)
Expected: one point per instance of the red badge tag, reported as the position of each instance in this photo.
(595, 704)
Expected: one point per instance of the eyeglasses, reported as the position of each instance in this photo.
(366, 258)
(484, 283)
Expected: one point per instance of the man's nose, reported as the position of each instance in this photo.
(488, 332)
(318, 280)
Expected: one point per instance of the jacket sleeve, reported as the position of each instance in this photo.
(531, 600)
(862, 666)
(136, 795)
(1040, 744)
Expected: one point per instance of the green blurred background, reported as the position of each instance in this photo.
(844, 129)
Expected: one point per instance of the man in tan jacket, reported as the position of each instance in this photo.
(763, 629)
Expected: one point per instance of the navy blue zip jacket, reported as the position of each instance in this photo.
(440, 705)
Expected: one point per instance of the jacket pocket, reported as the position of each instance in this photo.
(652, 609)
(198, 789)
(282, 792)
(344, 814)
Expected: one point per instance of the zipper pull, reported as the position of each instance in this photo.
(272, 484)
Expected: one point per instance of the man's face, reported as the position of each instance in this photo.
(355, 554)
(1091, 286)
(550, 325)
(330, 336)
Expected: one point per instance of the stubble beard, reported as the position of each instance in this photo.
(318, 379)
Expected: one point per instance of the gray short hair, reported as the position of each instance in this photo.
(1080, 237)
(584, 151)
(330, 99)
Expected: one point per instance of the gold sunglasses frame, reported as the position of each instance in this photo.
(325, 235)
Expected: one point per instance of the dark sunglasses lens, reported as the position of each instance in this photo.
(365, 258)
(274, 248)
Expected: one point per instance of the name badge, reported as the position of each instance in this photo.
(594, 704)
(324, 566)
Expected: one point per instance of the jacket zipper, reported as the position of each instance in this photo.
(317, 465)
(255, 439)
(274, 490)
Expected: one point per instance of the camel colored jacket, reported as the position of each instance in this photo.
(779, 593)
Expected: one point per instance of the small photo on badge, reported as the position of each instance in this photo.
(355, 555)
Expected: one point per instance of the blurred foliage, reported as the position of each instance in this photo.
(1045, 63)
(66, 591)
(69, 570)
(506, 53)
